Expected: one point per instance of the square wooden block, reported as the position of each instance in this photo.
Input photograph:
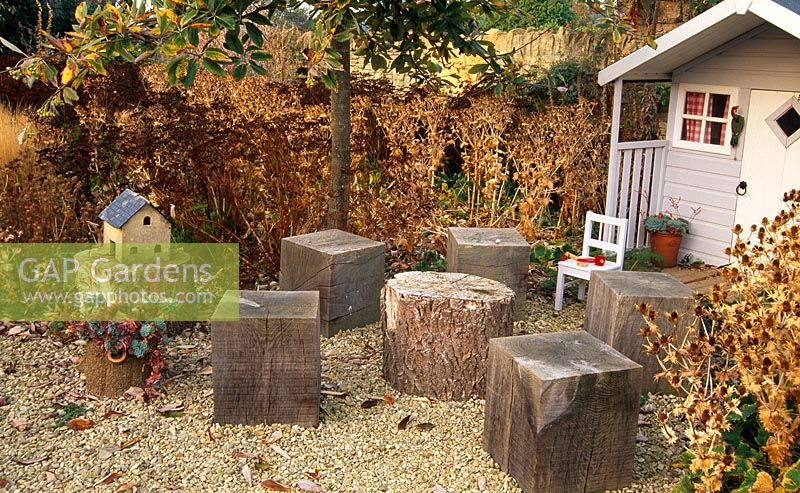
(266, 366)
(500, 254)
(346, 269)
(611, 314)
(561, 412)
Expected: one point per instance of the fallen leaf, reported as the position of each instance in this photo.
(248, 476)
(206, 371)
(20, 424)
(274, 437)
(483, 483)
(16, 330)
(3, 482)
(425, 426)
(129, 486)
(313, 474)
(109, 479)
(403, 424)
(307, 485)
(334, 393)
(171, 410)
(388, 399)
(210, 436)
(108, 451)
(262, 465)
(275, 486)
(129, 443)
(40, 384)
(244, 455)
(113, 414)
(49, 476)
(135, 393)
(280, 451)
(438, 489)
(79, 424)
(32, 460)
(369, 403)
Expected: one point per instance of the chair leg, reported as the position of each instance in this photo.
(582, 290)
(560, 291)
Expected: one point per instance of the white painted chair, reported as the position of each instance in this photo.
(570, 267)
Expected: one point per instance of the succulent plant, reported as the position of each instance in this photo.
(666, 223)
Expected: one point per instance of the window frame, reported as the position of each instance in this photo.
(725, 148)
(772, 122)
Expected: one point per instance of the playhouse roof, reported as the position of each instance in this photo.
(711, 29)
(124, 207)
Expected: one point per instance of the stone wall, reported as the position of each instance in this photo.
(532, 48)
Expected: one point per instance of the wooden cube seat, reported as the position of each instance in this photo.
(266, 365)
(346, 269)
(500, 254)
(561, 412)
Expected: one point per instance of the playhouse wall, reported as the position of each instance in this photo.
(769, 60)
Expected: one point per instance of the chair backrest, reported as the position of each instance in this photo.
(605, 222)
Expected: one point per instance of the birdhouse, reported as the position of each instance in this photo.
(131, 218)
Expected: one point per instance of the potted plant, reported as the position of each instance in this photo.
(667, 230)
(121, 355)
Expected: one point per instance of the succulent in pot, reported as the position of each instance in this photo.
(667, 230)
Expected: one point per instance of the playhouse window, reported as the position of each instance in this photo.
(146, 221)
(785, 122)
(704, 117)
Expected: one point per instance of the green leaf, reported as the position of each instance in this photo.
(11, 46)
(479, 68)
(684, 486)
(378, 62)
(191, 73)
(261, 56)
(216, 55)
(498, 89)
(791, 478)
(233, 42)
(188, 16)
(258, 18)
(239, 71)
(193, 36)
(213, 67)
(70, 95)
(172, 69)
(258, 69)
(226, 21)
(748, 481)
(254, 33)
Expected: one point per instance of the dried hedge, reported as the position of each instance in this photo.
(247, 162)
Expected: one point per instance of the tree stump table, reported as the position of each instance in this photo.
(561, 412)
(501, 254)
(611, 314)
(266, 366)
(436, 331)
(346, 269)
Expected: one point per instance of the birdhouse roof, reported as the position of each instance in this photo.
(123, 208)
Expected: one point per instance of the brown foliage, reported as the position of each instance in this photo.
(247, 161)
(743, 347)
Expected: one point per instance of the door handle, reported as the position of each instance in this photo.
(741, 189)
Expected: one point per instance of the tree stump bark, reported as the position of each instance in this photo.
(436, 331)
(107, 379)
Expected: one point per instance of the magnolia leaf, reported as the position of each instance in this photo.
(216, 55)
(274, 437)
(261, 56)
(403, 424)
(80, 424)
(243, 455)
(32, 460)
(254, 33)
(425, 426)
(248, 476)
(280, 451)
(239, 71)
(233, 43)
(258, 69)
(213, 67)
(308, 485)
(275, 486)
(11, 46)
(188, 80)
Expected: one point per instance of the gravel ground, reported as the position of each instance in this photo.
(131, 446)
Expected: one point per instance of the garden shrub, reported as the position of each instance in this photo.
(739, 365)
(539, 14)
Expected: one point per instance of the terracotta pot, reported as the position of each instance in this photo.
(667, 245)
(107, 378)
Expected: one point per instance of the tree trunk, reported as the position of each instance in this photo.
(436, 331)
(340, 143)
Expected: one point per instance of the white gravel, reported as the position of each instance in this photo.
(353, 450)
